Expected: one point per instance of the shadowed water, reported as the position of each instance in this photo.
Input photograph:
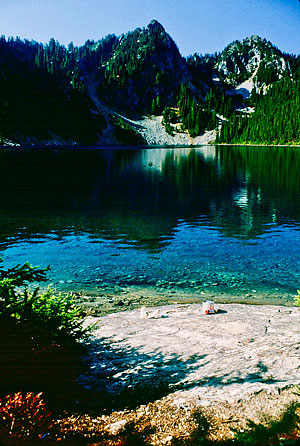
(188, 218)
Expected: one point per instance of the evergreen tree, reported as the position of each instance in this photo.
(276, 119)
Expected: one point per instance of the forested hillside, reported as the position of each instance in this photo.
(276, 119)
(274, 103)
(54, 94)
(42, 96)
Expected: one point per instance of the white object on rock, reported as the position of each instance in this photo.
(153, 314)
(209, 307)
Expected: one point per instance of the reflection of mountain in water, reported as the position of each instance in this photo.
(139, 196)
(270, 191)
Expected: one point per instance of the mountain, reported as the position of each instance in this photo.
(144, 64)
(269, 83)
(253, 57)
(137, 89)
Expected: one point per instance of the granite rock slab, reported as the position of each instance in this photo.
(227, 356)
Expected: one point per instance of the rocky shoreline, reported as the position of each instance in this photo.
(241, 363)
(125, 298)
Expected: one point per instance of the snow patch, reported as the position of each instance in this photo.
(245, 88)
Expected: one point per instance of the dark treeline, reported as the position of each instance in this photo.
(42, 93)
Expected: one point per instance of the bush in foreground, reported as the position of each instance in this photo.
(39, 334)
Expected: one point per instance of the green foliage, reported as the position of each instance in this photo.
(202, 69)
(195, 116)
(170, 116)
(297, 298)
(275, 120)
(161, 79)
(155, 106)
(42, 314)
(133, 52)
(239, 60)
(217, 100)
(39, 335)
(294, 62)
(266, 74)
(169, 128)
(145, 64)
(18, 276)
(44, 89)
(24, 415)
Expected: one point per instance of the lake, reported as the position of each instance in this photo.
(224, 219)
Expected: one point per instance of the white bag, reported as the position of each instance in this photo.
(209, 307)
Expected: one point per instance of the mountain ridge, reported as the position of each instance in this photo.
(89, 94)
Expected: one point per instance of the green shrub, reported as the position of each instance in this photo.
(169, 129)
(18, 276)
(54, 315)
(39, 336)
(171, 115)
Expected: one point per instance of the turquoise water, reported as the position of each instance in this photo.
(225, 218)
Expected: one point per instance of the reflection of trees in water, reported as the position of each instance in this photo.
(104, 193)
(207, 188)
(272, 184)
(110, 194)
(241, 190)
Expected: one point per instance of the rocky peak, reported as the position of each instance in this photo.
(145, 63)
(154, 25)
(242, 59)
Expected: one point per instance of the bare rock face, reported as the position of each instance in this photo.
(228, 356)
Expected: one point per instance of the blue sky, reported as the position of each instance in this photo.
(202, 26)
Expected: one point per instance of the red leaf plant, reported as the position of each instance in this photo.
(24, 415)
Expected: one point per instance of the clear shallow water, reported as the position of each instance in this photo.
(225, 218)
